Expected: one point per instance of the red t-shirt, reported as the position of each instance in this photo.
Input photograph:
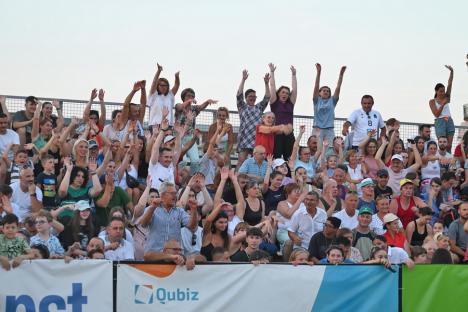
(397, 241)
(458, 153)
(267, 140)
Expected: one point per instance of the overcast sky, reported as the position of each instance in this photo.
(394, 50)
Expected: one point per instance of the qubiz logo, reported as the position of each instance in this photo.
(148, 294)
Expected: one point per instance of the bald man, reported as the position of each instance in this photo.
(255, 167)
(26, 194)
(172, 252)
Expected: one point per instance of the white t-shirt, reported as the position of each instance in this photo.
(232, 224)
(22, 200)
(346, 220)
(397, 255)
(10, 137)
(112, 134)
(395, 178)
(160, 174)
(156, 102)
(363, 122)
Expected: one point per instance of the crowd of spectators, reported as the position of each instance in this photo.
(161, 190)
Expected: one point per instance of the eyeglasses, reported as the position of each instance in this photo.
(194, 239)
(40, 222)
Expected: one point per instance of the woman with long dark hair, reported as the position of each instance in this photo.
(215, 232)
(443, 122)
(282, 103)
(81, 227)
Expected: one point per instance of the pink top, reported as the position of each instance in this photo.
(372, 167)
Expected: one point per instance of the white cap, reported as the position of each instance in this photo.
(277, 162)
(397, 157)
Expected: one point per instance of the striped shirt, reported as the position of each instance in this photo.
(165, 225)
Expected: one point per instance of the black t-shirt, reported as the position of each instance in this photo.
(387, 191)
(48, 186)
(272, 198)
(240, 256)
(318, 245)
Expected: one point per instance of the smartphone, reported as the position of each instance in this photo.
(410, 141)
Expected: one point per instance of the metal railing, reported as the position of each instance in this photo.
(75, 108)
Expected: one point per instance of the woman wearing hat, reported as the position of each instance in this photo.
(405, 206)
(394, 235)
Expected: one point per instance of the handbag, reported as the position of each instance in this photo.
(131, 181)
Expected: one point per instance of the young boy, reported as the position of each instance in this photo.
(10, 245)
(44, 237)
(47, 182)
(20, 161)
(254, 239)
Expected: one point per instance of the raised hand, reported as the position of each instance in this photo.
(266, 78)
(449, 67)
(245, 74)
(342, 71)
(272, 67)
(224, 173)
(160, 68)
(211, 102)
(270, 160)
(302, 129)
(2, 99)
(67, 163)
(93, 94)
(326, 143)
(56, 104)
(74, 121)
(233, 174)
(136, 86)
(318, 67)
(177, 75)
(109, 180)
(28, 146)
(32, 188)
(101, 95)
(92, 165)
(293, 70)
(143, 84)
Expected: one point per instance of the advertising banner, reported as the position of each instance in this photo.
(53, 285)
(435, 287)
(245, 287)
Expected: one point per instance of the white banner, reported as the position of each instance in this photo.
(53, 285)
(243, 287)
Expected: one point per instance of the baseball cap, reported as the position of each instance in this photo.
(277, 162)
(92, 143)
(335, 221)
(365, 209)
(168, 138)
(397, 157)
(405, 181)
(82, 205)
(389, 217)
(367, 182)
(382, 173)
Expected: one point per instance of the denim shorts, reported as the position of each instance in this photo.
(443, 127)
